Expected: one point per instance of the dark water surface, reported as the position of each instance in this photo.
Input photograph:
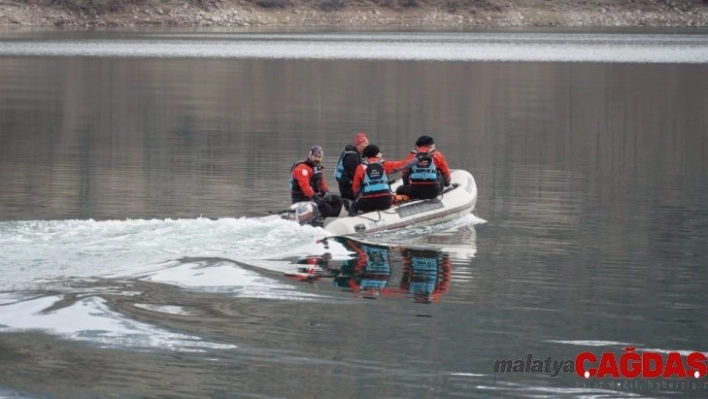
(592, 180)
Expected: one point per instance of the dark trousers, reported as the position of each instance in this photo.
(331, 208)
(370, 204)
(346, 191)
(421, 191)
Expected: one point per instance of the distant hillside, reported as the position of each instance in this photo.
(357, 13)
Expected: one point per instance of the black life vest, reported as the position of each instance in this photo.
(375, 181)
(342, 175)
(315, 181)
(425, 171)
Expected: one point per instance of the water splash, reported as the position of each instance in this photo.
(35, 252)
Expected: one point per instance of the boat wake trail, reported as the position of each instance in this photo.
(91, 280)
(37, 252)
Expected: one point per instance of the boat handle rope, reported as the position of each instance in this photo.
(370, 219)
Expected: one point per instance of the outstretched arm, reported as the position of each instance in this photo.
(397, 166)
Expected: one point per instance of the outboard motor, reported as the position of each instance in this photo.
(305, 212)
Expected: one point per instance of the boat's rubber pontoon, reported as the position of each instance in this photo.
(455, 201)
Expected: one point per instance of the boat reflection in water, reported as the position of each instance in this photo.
(396, 271)
(419, 265)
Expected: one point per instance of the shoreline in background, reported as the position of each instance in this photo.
(405, 14)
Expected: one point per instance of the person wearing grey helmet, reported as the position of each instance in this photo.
(307, 183)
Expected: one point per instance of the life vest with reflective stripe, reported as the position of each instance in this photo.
(375, 181)
(425, 171)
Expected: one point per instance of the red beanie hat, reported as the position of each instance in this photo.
(360, 139)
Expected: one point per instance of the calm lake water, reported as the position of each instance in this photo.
(133, 167)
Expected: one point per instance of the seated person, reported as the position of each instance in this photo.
(425, 179)
(371, 181)
(347, 164)
(307, 183)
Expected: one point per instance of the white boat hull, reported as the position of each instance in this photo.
(456, 201)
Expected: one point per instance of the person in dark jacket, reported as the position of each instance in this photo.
(307, 183)
(347, 164)
(427, 178)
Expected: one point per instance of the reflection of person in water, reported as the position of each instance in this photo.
(321, 261)
(312, 267)
(369, 272)
(426, 274)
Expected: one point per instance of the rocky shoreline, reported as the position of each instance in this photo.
(411, 14)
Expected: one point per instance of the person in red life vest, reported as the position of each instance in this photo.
(314, 262)
(308, 184)
(347, 164)
(313, 267)
(426, 274)
(426, 179)
(371, 181)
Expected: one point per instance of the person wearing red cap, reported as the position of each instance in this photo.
(371, 181)
(347, 164)
(308, 184)
(427, 178)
